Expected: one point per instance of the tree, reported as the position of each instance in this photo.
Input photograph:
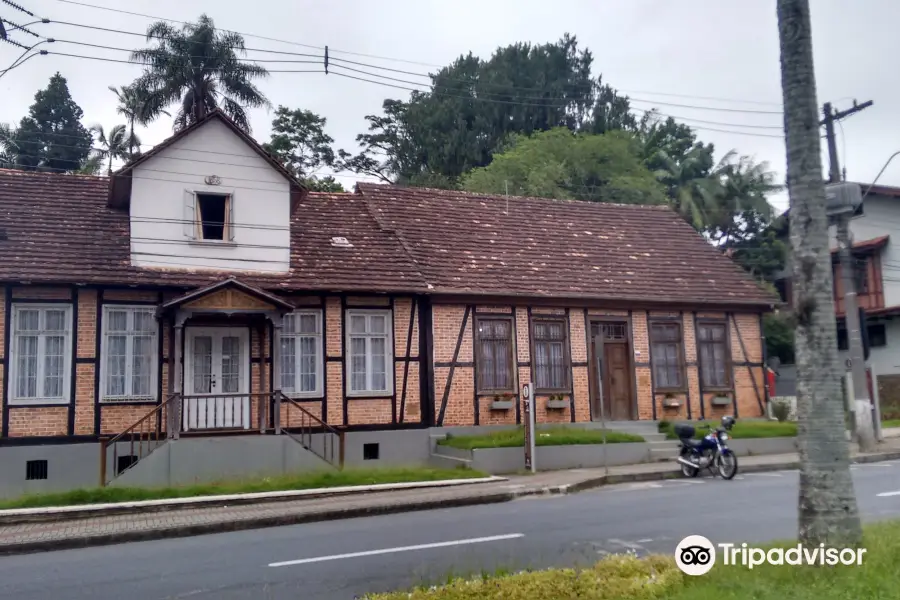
(692, 192)
(473, 107)
(118, 144)
(562, 164)
(828, 510)
(742, 211)
(130, 106)
(7, 147)
(299, 141)
(92, 165)
(52, 137)
(324, 184)
(198, 66)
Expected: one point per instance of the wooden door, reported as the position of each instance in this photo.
(611, 372)
(617, 382)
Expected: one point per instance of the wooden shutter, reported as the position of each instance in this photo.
(190, 215)
(229, 216)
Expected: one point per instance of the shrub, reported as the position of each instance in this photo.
(663, 426)
(781, 409)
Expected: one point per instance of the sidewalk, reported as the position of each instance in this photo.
(182, 521)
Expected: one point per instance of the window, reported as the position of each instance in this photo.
(712, 346)
(877, 335)
(494, 354)
(665, 348)
(41, 354)
(130, 353)
(551, 357)
(301, 354)
(861, 276)
(370, 352)
(209, 216)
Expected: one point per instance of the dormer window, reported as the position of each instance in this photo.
(209, 216)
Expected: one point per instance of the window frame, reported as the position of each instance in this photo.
(66, 398)
(389, 390)
(105, 397)
(227, 233)
(320, 354)
(513, 362)
(567, 354)
(679, 346)
(728, 359)
(861, 275)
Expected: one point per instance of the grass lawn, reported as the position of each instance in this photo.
(546, 436)
(627, 578)
(742, 429)
(301, 481)
(891, 423)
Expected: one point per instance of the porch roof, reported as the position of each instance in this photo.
(219, 298)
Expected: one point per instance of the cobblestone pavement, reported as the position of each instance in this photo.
(184, 521)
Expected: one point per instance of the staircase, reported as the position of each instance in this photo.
(165, 422)
(661, 449)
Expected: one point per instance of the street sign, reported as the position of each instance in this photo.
(528, 401)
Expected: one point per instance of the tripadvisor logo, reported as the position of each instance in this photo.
(696, 555)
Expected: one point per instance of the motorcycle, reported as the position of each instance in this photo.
(711, 452)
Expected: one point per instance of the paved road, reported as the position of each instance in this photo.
(342, 559)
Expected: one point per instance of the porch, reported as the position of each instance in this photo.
(223, 377)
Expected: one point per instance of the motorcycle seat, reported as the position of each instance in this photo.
(684, 432)
(690, 443)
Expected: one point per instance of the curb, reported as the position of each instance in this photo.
(243, 525)
(382, 509)
(19, 516)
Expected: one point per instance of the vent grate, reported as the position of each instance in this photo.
(371, 451)
(35, 469)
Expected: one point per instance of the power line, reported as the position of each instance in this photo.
(17, 7)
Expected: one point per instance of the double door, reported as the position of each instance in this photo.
(216, 379)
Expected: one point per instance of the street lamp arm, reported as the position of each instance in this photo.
(880, 173)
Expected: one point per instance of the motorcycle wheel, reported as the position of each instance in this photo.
(689, 471)
(727, 465)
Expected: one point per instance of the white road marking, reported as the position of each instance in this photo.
(482, 540)
(766, 474)
(874, 465)
(645, 541)
(888, 494)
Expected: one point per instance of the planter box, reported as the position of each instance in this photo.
(553, 458)
(558, 404)
(501, 405)
(721, 401)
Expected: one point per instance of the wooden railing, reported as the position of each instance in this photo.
(311, 432)
(149, 433)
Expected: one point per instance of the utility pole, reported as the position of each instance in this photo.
(862, 409)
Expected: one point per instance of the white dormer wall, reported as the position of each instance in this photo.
(163, 191)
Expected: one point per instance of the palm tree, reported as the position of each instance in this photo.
(92, 165)
(692, 192)
(130, 106)
(743, 187)
(199, 67)
(828, 511)
(117, 144)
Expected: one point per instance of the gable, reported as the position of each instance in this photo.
(229, 299)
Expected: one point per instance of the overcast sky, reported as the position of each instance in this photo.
(691, 51)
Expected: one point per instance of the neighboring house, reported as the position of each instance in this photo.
(201, 281)
(875, 233)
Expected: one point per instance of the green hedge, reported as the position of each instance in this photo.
(546, 436)
(743, 430)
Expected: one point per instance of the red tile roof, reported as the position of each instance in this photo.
(60, 230)
(469, 244)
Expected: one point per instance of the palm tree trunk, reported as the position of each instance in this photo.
(131, 137)
(827, 504)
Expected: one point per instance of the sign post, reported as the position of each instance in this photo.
(528, 399)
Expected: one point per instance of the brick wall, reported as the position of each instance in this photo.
(462, 404)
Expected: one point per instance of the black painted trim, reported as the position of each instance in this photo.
(522, 364)
(635, 399)
(388, 306)
(699, 368)
(762, 409)
(459, 363)
(85, 360)
(50, 440)
(7, 319)
(134, 302)
(588, 335)
(270, 332)
(580, 364)
(409, 335)
(337, 359)
(131, 403)
(446, 395)
(98, 334)
(325, 360)
(344, 400)
(476, 399)
(41, 405)
(518, 384)
(645, 365)
(393, 365)
(765, 360)
(160, 361)
(40, 301)
(73, 372)
(426, 356)
(571, 366)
